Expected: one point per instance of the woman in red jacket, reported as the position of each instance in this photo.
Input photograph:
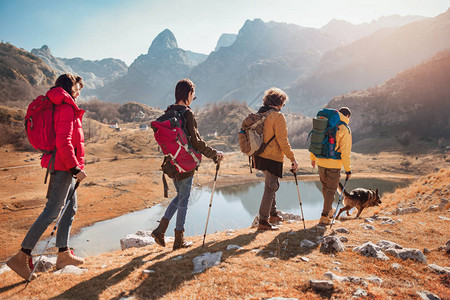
(67, 167)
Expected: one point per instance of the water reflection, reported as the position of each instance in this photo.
(234, 207)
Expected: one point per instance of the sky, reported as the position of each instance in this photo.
(124, 29)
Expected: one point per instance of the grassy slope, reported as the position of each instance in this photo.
(277, 270)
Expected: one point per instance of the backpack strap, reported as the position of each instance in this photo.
(51, 166)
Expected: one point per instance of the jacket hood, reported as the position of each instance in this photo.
(58, 95)
(344, 118)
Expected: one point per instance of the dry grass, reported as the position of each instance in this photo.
(267, 265)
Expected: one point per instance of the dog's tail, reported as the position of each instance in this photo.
(340, 188)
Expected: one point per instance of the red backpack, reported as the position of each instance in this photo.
(39, 128)
(39, 124)
(172, 139)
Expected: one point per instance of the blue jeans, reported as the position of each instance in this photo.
(180, 202)
(61, 183)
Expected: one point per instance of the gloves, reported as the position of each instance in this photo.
(349, 173)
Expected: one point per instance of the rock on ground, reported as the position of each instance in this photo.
(369, 249)
(138, 239)
(321, 285)
(331, 244)
(408, 253)
(71, 270)
(45, 264)
(426, 295)
(388, 244)
(406, 210)
(206, 260)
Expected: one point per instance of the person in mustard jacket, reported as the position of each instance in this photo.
(330, 169)
(270, 161)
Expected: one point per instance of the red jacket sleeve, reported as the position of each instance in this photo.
(64, 126)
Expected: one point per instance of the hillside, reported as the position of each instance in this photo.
(370, 61)
(409, 112)
(23, 76)
(276, 264)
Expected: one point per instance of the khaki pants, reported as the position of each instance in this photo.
(330, 181)
(268, 203)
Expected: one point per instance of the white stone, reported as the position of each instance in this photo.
(408, 253)
(305, 259)
(178, 257)
(369, 220)
(71, 270)
(432, 208)
(4, 268)
(426, 295)
(444, 218)
(146, 272)
(375, 280)
(396, 266)
(439, 269)
(135, 240)
(388, 244)
(45, 264)
(233, 247)
(406, 210)
(332, 244)
(307, 244)
(321, 285)
(360, 293)
(206, 260)
(371, 250)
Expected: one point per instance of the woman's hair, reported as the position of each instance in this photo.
(68, 81)
(274, 97)
(183, 88)
(345, 111)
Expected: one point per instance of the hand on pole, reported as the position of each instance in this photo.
(349, 174)
(294, 166)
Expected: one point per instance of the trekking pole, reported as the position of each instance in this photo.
(299, 199)
(53, 231)
(210, 201)
(339, 202)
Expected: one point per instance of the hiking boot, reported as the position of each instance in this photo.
(67, 258)
(180, 241)
(331, 213)
(158, 233)
(275, 218)
(22, 264)
(264, 225)
(324, 221)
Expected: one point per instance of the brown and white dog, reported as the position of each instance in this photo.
(359, 198)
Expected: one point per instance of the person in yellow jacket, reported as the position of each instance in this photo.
(270, 161)
(330, 169)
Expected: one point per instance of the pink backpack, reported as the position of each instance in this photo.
(173, 141)
(39, 124)
(39, 128)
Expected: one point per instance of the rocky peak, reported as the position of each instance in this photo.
(165, 40)
(43, 51)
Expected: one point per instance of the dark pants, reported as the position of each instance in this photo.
(330, 181)
(268, 203)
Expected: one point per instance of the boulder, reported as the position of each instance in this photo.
(439, 270)
(233, 247)
(332, 244)
(321, 285)
(388, 244)
(206, 260)
(45, 264)
(138, 239)
(408, 253)
(426, 295)
(369, 249)
(406, 210)
(307, 244)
